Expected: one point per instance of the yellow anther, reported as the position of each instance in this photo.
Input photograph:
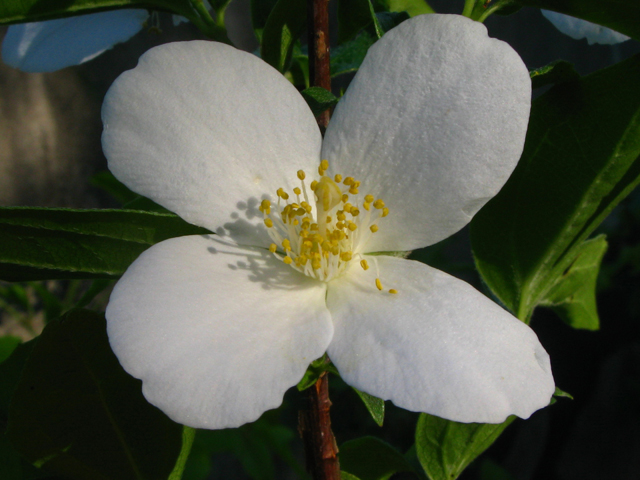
(317, 238)
(297, 191)
(268, 222)
(345, 198)
(393, 290)
(378, 284)
(308, 243)
(353, 190)
(367, 206)
(287, 260)
(354, 212)
(328, 193)
(315, 263)
(340, 225)
(385, 212)
(337, 178)
(314, 185)
(347, 207)
(373, 228)
(378, 204)
(314, 226)
(364, 264)
(301, 211)
(341, 216)
(328, 218)
(296, 222)
(273, 247)
(265, 206)
(352, 226)
(286, 244)
(282, 194)
(348, 181)
(302, 260)
(346, 256)
(368, 198)
(326, 246)
(335, 249)
(301, 174)
(324, 164)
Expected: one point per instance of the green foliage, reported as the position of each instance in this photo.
(348, 57)
(46, 243)
(412, 7)
(620, 15)
(283, 28)
(7, 345)
(573, 295)
(581, 157)
(368, 458)
(559, 71)
(256, 445)
(319, 99)
(374, 405)
(354, 16)
(446, 448)
(12, 11)
(76, 412)
(260, 10)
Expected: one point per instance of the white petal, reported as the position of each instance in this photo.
(578, 29)
(437, 346)
(207, 131)
(55, 44)
(433, 123)
(216, 332)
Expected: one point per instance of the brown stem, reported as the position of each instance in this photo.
(314, 425)
(314, 422)
(319, 73)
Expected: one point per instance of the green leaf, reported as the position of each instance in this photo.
(45, 243)
(76, 413)
(369, 458)
(314, 371)
(620, 15)
(412, 7)
(559, 71)
(284, 26)
(347, 476)
(573, 295)
(581, 157)
(109, 183)
(348, 57)
(374, 405)
(319, 99)
(562, 394)
(446, 448)
(13, 11)
(7, 345)
(260, 10)
(354, 16)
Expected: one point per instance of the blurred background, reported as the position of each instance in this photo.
(50, 154)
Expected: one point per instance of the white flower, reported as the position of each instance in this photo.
(579, 29)
(55, 44)
(218, 327)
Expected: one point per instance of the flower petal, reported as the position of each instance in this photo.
(437, 346)
(434, 123)
(216, 332)
(55, 44)
(578, 29)
(207, 131)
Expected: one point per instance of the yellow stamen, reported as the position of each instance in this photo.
(378, 284)
(368, 198)
(287, 260)
(301, 174)
(393, 290)
(337, 178)
(273, 247)
(297, 191)
(363, 264)
(268, 222)
(378, 204)
(314, 185)
(373, 228)
(385, 212)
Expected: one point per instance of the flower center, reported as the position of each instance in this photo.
(322, 243)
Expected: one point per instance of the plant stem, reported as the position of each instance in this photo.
(314, 422)
(319, 70)
(314, 426)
